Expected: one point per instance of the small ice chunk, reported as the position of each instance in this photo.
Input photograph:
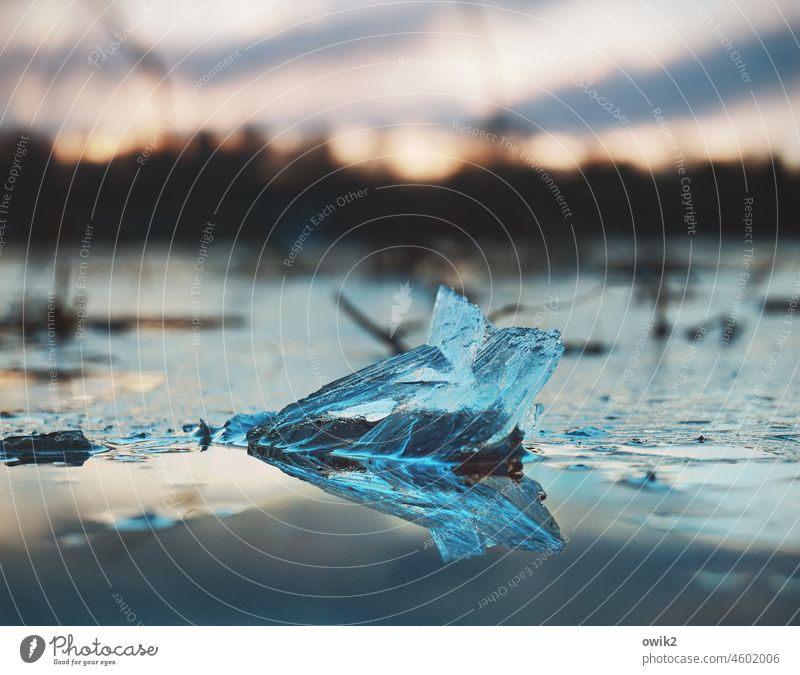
(68, 447)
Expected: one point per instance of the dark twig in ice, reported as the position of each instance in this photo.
(393, 342)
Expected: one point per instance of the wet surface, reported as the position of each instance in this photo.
(670, 463)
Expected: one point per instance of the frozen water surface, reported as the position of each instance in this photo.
(409, 490)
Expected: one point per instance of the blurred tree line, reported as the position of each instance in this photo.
(252, 192)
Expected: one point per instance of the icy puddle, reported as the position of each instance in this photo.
(443, 437)
(431, 486)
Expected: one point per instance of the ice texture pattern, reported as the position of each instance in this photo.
(432, 436)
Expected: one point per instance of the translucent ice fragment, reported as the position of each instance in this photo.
(469, 391)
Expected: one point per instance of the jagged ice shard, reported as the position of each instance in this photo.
(432, 436)
(467, 392)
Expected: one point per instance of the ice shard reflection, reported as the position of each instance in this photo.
(467, 507)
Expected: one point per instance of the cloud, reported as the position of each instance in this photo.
(326, 65)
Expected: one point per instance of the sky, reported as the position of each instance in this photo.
(420, 87)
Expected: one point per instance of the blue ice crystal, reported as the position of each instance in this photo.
(467, 392)
(432, 436)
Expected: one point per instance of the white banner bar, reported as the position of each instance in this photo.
(401, 650)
